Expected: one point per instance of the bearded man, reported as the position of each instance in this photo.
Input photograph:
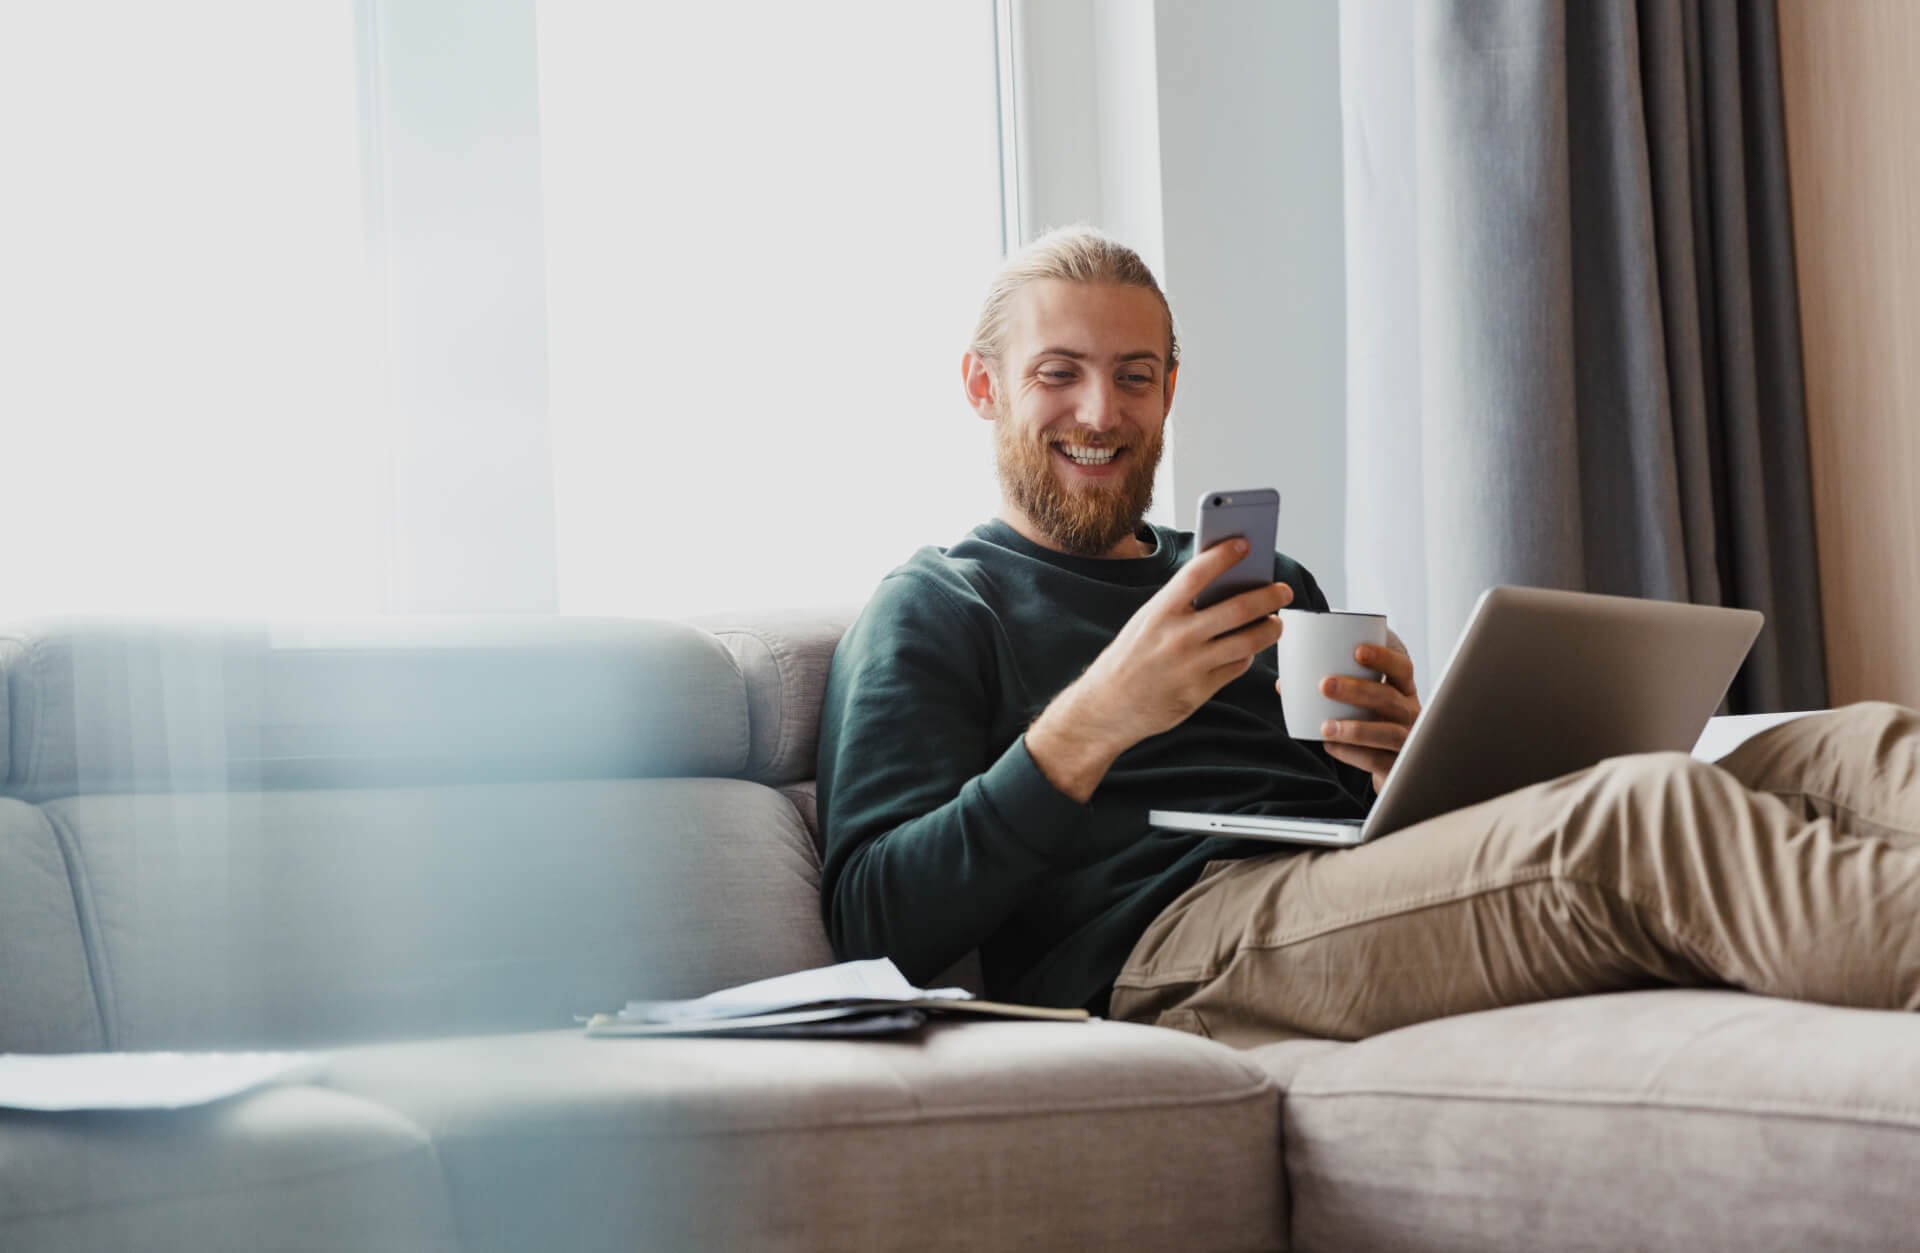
(1006, 711)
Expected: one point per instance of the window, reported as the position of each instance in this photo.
(768, 229)
(186, 340)
(272, 338)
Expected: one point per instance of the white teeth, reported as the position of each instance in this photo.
(1088, 456)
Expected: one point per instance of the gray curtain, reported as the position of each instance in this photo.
(1573, 338)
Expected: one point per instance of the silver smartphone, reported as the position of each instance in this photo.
(1254, 515)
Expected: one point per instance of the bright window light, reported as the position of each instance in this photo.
(769, 226)
(185, 334)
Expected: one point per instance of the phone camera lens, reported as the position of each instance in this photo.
(1218, 501)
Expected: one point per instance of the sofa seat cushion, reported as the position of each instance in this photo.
(967, 1136)
(287, 1168)
(1665, 1119)
(1286, 1058)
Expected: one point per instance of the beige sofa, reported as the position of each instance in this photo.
(421, 846)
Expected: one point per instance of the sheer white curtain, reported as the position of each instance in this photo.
(768, 228)
(186, 351)
(1573, 344)
(664, 309)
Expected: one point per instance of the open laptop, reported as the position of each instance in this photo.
(1541, 683)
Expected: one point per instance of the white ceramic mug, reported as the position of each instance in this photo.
(1313, 646)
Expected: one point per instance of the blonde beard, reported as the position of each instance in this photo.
(1089, 522)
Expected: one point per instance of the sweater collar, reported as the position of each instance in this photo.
(1128, 571)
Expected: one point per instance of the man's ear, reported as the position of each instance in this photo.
(983, 389)
(1173, 377)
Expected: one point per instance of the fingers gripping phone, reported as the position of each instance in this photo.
(1254, 515)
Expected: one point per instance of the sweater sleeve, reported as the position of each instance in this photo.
(932, 838)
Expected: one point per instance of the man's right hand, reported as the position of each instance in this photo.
(1166, 662)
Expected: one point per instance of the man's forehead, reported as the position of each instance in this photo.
(1088, 318)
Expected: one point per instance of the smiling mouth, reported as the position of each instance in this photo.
(1087, 456)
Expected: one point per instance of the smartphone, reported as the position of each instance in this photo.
(1253, 515)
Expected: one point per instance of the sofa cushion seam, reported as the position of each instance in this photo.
(780, 719)
(776, 763)
(746, 716)
(11, 645)
(1900, 1119)
(37, 685)
(93, 945)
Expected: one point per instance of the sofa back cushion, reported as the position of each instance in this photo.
(297, 834)
(101, 705)
(784, 657)
(302, 917)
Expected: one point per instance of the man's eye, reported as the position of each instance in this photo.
(1136, 380)
(1057, 375)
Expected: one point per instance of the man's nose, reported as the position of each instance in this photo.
(1099, 405)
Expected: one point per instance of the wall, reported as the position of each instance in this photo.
(1251, 204)
(1853, 144)
(1206, 133)
(1090, 138)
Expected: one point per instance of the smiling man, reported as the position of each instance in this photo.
(1006, 711)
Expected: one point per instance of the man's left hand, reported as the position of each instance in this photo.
(1374, 745)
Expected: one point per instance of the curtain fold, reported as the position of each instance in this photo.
(1573, 336)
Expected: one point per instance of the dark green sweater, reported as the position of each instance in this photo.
(941, 833)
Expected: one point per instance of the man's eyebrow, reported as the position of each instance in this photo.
(1142, 354)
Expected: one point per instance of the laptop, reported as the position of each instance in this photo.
(1541, 683)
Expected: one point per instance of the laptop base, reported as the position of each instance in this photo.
(1325, 832)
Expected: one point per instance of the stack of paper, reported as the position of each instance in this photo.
(853, 998)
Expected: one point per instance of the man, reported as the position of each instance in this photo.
(1006, 711)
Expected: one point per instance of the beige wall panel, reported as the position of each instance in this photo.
(1851, 72)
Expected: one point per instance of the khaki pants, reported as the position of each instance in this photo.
(1791, 868)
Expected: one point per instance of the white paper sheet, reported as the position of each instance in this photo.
(75, 1081)
(878, 979)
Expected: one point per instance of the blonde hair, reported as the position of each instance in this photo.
(1078, 254)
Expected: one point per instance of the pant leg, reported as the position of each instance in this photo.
(1641, 871)
(1858, 765)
